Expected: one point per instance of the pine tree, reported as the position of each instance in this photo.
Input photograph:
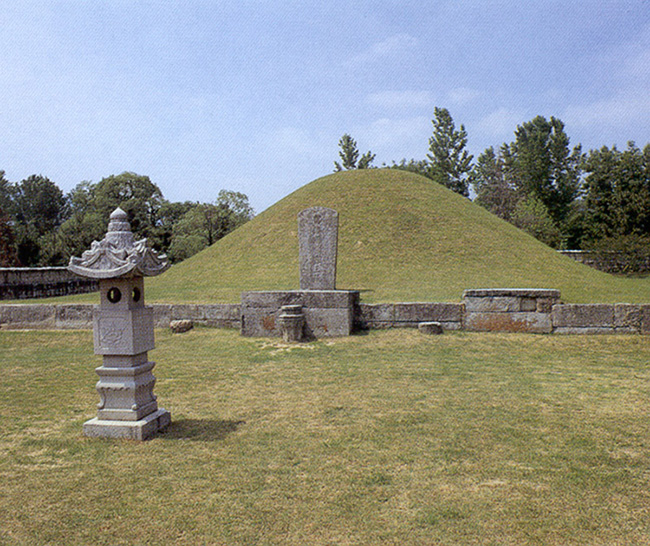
(449, 162)
(349, 155)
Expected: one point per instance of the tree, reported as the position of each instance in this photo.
(531, 215)
(617, 192)
(8, 255)
(38, 210)
(136, 194)
(206, 223)
(449, 161)
(493, 185)
(543, 166)
(349, 155)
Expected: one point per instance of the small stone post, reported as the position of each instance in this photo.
(292, 322)
(123, 333)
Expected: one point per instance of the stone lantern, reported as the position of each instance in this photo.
(123, 333)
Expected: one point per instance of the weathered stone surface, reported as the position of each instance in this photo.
(76, 317)
(428, 312)
(585, 331)
(328, 322)
(162, 315)
(645, 319)
(17, 283)
(592, 315)
(516, 292)
(327, 312)
(118, 334)
(25, 317)
(118, 254)
(141, 430)
(291, 322)
(318, 241)
(539, 323)
(181, 326)
(379, 315)
(628, 317)
(494, 304)
(431, 328)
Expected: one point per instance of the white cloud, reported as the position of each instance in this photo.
(622, 109)
(500, 123)
(389, 47)
(463, 95)
(401, 99)
(398, 136)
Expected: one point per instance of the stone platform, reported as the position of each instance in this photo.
(143, 429)
(328, 313)
(510, 310)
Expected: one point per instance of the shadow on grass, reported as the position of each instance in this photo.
(200, 429)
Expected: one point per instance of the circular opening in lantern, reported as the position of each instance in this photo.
(114, 295)
(136, 294)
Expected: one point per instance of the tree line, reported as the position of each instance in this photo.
(564, 197)
(42, 226)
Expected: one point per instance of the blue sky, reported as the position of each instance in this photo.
(253, 95)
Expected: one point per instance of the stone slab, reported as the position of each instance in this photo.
(134, 430)
(496, 304)
(590, 315)
(515, 292)
(428, 312)
(74, 317)
(24, 317)
(430, 328)
(306, 298)
(537, 323)
(318, 241)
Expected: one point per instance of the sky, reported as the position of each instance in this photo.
(254, 95)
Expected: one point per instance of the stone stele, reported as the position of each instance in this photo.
(318, 240)
(123, 333)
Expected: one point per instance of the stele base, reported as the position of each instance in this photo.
(140, 430)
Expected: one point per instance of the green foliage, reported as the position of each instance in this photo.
(531, 215)
(205, 223)
(542, 165)
(349, 155)
(449, 161)
(625, 254)
(140, 198)
(617, 192)
(8, 255)
(494, 188)
(37, 208)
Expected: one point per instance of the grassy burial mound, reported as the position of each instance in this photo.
(401, 238)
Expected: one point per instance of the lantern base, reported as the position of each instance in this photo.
(140, 430)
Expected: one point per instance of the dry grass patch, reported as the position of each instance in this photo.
(387, 438)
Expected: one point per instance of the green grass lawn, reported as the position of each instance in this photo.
(387, 438)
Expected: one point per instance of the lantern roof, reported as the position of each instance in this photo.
(118, 254)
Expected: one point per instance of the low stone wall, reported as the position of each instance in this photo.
(510, 310)
(619, 318)
(409, 315)
(610, 262)
(17, 283)
(80, 316)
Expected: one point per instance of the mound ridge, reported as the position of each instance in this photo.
(402, 237)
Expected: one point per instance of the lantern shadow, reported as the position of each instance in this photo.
(205, 430)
